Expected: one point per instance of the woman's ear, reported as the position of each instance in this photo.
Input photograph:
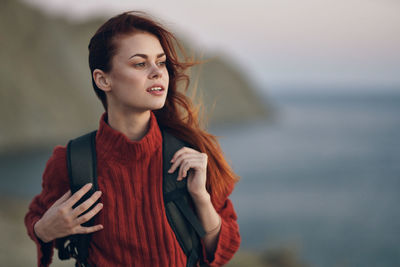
(102, 80)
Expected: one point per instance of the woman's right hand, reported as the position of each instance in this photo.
(62, 220)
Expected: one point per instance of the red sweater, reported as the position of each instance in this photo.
(136, 231)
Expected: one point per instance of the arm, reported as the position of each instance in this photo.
(223, 238)
(211, 222)
(216, 214)
(54, 184)
(50, 217)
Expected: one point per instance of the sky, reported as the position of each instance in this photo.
(280, 45)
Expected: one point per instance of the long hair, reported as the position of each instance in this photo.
(179, 115)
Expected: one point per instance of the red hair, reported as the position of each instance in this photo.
(179, 115)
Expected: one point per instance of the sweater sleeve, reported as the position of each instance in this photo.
(229, 236)
(55, 183)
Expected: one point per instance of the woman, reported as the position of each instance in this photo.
(135, 73)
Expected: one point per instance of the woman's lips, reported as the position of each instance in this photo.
(157, 92)
(156, 89)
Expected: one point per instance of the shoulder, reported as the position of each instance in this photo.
(56, 166)
(55, 181)
(59, 156)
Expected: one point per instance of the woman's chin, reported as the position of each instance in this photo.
(158, 105)
(147, 106)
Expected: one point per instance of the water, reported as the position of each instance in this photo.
(323, 176)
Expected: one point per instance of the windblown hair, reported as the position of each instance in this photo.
(179, 115)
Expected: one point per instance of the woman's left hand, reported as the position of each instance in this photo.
(193, 166)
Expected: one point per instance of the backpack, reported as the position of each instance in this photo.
(82, 169)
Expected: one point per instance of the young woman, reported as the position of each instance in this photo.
(135, 73)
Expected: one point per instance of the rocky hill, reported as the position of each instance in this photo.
(46, 95)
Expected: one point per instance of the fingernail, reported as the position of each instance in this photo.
(172, 160)
(89, 185)
(169, 171)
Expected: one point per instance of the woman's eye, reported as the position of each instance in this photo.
(142, 64)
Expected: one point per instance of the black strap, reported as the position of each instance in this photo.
(81, 163)
(190, 216)
(188, 229)
(82, 169)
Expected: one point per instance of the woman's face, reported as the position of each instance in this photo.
(138, 66)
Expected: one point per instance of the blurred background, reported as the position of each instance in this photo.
(305, 96)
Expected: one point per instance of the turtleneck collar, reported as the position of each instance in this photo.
(111, 143)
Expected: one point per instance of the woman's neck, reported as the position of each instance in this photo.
(133, 124)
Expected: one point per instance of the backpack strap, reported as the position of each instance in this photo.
(187, 227)
(82, 169)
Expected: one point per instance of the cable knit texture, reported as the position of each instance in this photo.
(136, 230)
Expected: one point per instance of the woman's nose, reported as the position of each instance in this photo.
(155, 72)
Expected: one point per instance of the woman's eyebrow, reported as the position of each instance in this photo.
(145, 56)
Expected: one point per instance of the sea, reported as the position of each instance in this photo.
(320, 176)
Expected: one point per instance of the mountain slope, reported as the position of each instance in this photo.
(45, 88)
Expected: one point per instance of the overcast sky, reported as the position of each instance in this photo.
(280, 44)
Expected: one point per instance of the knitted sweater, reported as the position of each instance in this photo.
(136, 230)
